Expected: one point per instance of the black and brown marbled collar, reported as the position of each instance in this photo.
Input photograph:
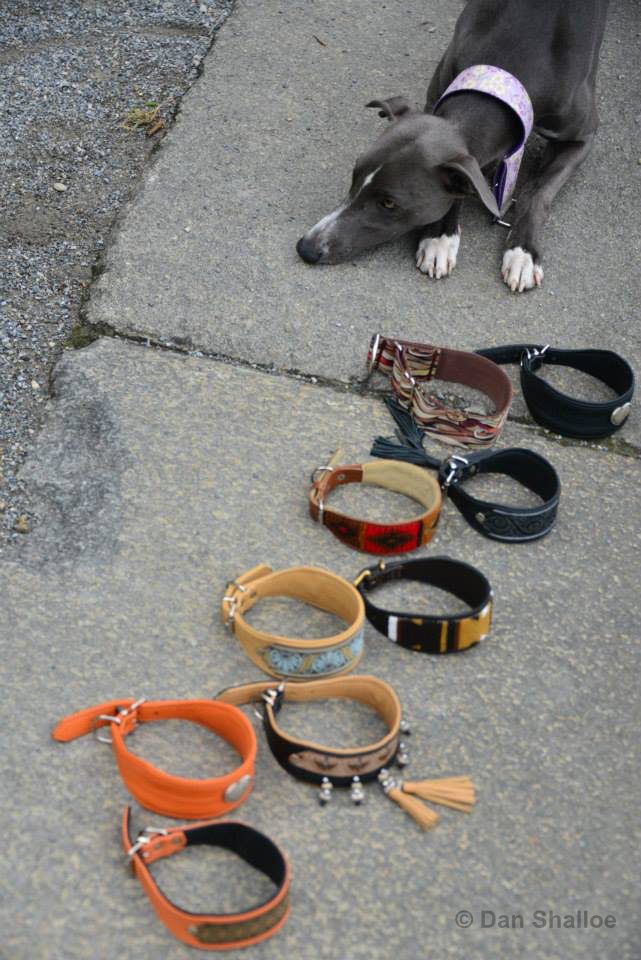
(312, 761)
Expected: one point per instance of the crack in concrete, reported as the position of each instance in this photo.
(89, 332)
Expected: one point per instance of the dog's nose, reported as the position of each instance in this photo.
(309, 253)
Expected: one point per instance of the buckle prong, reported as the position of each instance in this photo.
(454, 465)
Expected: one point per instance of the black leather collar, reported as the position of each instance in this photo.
(558, 411)
(494, 520)
(428, 633)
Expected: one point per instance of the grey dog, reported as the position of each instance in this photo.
(415, 175)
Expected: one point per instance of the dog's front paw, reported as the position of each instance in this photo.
(519, 271)
(436, 256)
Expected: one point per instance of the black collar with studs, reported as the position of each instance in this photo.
(427, 633)
(558, 411)
(312, 761)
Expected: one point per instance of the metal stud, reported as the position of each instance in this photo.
(479, 517)
(325, 792)
(356, 792)
(620, 414)
(402, 757)
(235, 790)
(405, 728)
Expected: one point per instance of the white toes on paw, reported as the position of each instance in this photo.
(436, 256)
(519, 270)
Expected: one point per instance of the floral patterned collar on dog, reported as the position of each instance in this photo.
(502, 85)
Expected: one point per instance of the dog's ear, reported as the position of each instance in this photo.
(462, 177)
(393, 108)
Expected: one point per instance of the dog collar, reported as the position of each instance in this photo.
(312, 761)
(412, 364)
(377, 537)
(350, 767)
(556, 410)
(427, 633)
(159, 791)
(503, 86)
(494, 520)
(212, 931)
(296, 658)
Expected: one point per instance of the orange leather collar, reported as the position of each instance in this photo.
(153, 788)
(212, 931)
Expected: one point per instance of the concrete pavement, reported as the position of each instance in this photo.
(160, 476)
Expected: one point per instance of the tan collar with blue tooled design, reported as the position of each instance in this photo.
(296, 658)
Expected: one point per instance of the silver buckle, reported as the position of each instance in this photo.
(270, 697)
(454, 465)
(232, 601)
(533, 353)
(373, 354)
(143, 839)
(115, 718)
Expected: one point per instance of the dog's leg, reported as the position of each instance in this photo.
(521, 268)
(439, 243)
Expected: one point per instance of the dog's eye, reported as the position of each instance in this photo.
(387, 203)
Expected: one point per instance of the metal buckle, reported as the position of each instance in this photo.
(143, 839)
(454, 465)
(312, 478)
(271, 697)
(533, 353)
(232, 601)
(367, 573)
(115, 718)
(373, 354)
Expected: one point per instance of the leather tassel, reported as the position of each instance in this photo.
(410, 447)
(393, 788)
(455, 792)
(425, 817)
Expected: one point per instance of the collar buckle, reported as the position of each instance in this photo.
(452, 470)
(532, 353)
(117, 717)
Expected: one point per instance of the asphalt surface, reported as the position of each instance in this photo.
(176, 454)
(69, 74)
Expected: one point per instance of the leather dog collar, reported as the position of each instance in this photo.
(494, 520)
(377, 537)
(212, 931)
(503, 86)
(559, 412)
(312, 761)
(159, 791)
(296, 658)
(427, 633)
(412, 364)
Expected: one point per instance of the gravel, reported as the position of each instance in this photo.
(70, 71)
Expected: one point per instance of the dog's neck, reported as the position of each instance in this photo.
(490, 129)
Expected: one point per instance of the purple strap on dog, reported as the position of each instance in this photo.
(498, 83)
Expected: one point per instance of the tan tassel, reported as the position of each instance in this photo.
(455, 792)
(425, 817)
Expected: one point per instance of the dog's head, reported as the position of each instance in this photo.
(408, 178)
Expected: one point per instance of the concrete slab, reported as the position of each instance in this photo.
(160, 477)
(264, 146)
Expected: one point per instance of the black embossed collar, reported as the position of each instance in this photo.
(495, 520)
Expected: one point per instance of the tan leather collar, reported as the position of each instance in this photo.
(155, 789)
(212, 931)
(313, 761)
(371, 537)
(297, 658)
